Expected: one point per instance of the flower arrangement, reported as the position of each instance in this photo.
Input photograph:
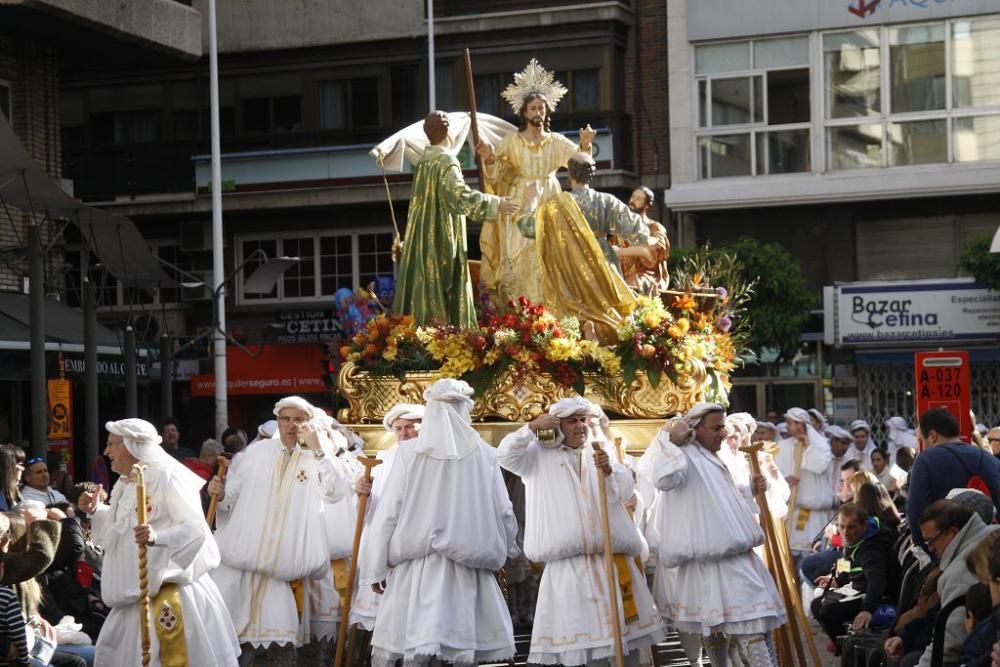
(388, 345)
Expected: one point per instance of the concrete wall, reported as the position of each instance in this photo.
(259, 25)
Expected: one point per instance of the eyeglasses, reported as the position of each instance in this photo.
(931, 540)
(34, 460)
(288, 420)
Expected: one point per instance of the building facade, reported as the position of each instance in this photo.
(863, 136)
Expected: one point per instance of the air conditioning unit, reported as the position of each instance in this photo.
(195, 237)
(191, 292)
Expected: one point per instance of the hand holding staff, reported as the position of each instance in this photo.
(140, 510)
(352, 568)
(609, 565)
(213, 505)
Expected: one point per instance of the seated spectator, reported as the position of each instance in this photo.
(59, 477)
(868, 565)
(36, 483)
(951, 532)
(979, 627)
(827, 551)
(875, 501)
(204, 465)
(234, 441)
(946, 464)
(912, 632)
(10, 477)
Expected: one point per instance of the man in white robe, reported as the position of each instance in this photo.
(443, 526)
(572, 624)
(190, 623)
(717, 587)
(403, 421)
(900, 435)
(864, 443)
(274, 544)
(806, 462)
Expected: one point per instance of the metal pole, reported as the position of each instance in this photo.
(166, 377)
(131, 375)
(218, 261)
(431, 66)
(91, 398)
(39, 385)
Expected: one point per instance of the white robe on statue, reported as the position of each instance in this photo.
(275, 535)
(563, 529)
(442, 527)
(184, 554)
(364, 608)
(709, 576)
(814, 500)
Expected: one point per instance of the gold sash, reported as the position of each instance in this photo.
(169, 622)
(297, 591)
(339, 568)
(802, 518)
(629, 609)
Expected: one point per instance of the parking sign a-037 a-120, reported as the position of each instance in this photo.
(942, 381)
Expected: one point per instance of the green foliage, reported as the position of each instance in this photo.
(768, 292)
(980, 263)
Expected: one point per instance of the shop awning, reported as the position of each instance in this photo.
(63, 327)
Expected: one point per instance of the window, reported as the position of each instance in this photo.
(329, 261)
(405, 94)
(754, 107)
(348, 103)
(126, 127)
(265, 115)
(112, 294)
(584, 87)
(5, 99)
(488, 100)
(910, 114)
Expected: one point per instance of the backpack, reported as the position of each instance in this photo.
(975, 481)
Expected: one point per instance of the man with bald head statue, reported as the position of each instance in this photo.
(563, 530)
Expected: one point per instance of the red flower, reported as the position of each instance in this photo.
(512, 350)
(478, 342)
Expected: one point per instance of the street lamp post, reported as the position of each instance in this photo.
(218, 261)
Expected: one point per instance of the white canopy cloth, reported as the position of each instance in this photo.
(410, 142)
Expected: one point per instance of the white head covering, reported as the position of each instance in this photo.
(798, 415)
(294, 402)
(818, 415)
(265, 431)
(771, 427)
(143, 442)
(446, 430)
(696, 414)
(572, 405)
(900, 435)
(834, 431)
(982, 429)
(411, 411)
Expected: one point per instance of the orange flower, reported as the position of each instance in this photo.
(697, 278)
(675, 331)
(370, 350)
(684, 302)
(647, 351)
(345, 351)
(702, 321)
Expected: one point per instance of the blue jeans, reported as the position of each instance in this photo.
(817, 564)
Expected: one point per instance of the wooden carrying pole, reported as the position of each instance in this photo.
(788, 637)
(609, 566)
(800, 447)
(474, 125)
(141, 518)
(213, 504)
(352, 567)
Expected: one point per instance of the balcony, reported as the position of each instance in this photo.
(448, 8)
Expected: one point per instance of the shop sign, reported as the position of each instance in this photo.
(107, 367)
(311, 326)
(942, 381)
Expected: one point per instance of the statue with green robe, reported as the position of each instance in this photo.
(433, 283)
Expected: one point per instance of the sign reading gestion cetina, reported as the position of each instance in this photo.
(931, 311)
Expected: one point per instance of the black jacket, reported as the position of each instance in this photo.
(875, 570)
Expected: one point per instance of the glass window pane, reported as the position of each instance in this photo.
(916, 61)
(730, 101)
(729, 57)
(852, 65)
(364, 102)
(919, 142)
(975, 76)
(586, 90)
(332, 104)
(788, 96)
(855, 146)
(702, 103)
(784, 152)
(784, 52)
(729, 154)
(758, 99)
(288, 113)
(977, 138)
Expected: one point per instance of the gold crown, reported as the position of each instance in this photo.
(533, 79)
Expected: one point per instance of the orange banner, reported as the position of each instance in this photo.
(60, 410)
(280, 369)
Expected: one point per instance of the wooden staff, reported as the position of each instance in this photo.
(140, 511)
(352, 567)
(609, 565)
(778, 560)
(213, 504)
(799, 450)
(474, 125)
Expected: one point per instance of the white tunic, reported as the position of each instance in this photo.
(276, 534)
(443, 527)
(814, 500)
(184, 554)
(709, 579)
(563, 529)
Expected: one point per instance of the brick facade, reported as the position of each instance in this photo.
(30, 70)
(646, 93)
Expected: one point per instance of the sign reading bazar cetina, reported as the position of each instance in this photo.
(912, 311)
